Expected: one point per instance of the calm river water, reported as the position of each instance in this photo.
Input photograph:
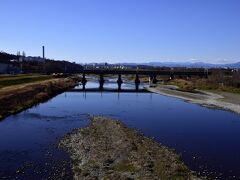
(207, 139)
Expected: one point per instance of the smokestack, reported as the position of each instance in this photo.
(43, 52)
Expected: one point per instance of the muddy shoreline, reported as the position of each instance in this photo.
(17, 98)
(216, 100)
(107, 149)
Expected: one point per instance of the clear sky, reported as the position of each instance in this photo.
(123, 30)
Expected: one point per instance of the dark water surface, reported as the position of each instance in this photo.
(207, 139)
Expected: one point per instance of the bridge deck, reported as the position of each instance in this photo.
(144, 72)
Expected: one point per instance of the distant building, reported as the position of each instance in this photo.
(8, 69)
(3, 68)
(33, 58)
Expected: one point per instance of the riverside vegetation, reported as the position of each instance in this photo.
(219, 80)
(6, 80)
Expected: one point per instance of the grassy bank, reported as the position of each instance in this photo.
(107, 149)
(16, 98)
(21, 79)
(202, 84)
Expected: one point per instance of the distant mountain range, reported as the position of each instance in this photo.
(187, 64)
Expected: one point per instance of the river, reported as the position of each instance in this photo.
(207, 139)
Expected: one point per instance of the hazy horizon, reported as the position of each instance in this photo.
(133, 31)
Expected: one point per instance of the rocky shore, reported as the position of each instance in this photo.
(14, 99)
(218, 100)
(107, 149)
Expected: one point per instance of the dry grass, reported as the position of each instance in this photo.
(21, 79)
(203, 84)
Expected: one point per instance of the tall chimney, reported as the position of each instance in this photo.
(43, 52)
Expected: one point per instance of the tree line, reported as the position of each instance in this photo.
(47, 66)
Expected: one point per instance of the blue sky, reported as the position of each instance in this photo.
(123, 30)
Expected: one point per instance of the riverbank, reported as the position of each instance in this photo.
(12, 80)
(16, 98)
(107, 149)
(214, 99)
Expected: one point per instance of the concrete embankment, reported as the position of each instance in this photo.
(219, 100)
(17, 98)
(107, 149)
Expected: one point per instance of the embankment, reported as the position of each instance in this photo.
(17, 98)
(107, 149)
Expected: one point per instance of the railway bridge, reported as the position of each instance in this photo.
(203, 73)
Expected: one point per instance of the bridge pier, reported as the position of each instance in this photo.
(101, 82)
(119, 82)
(171, 76)
(206, 73)
(154, 79)
(137, 82)
(84, 81)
